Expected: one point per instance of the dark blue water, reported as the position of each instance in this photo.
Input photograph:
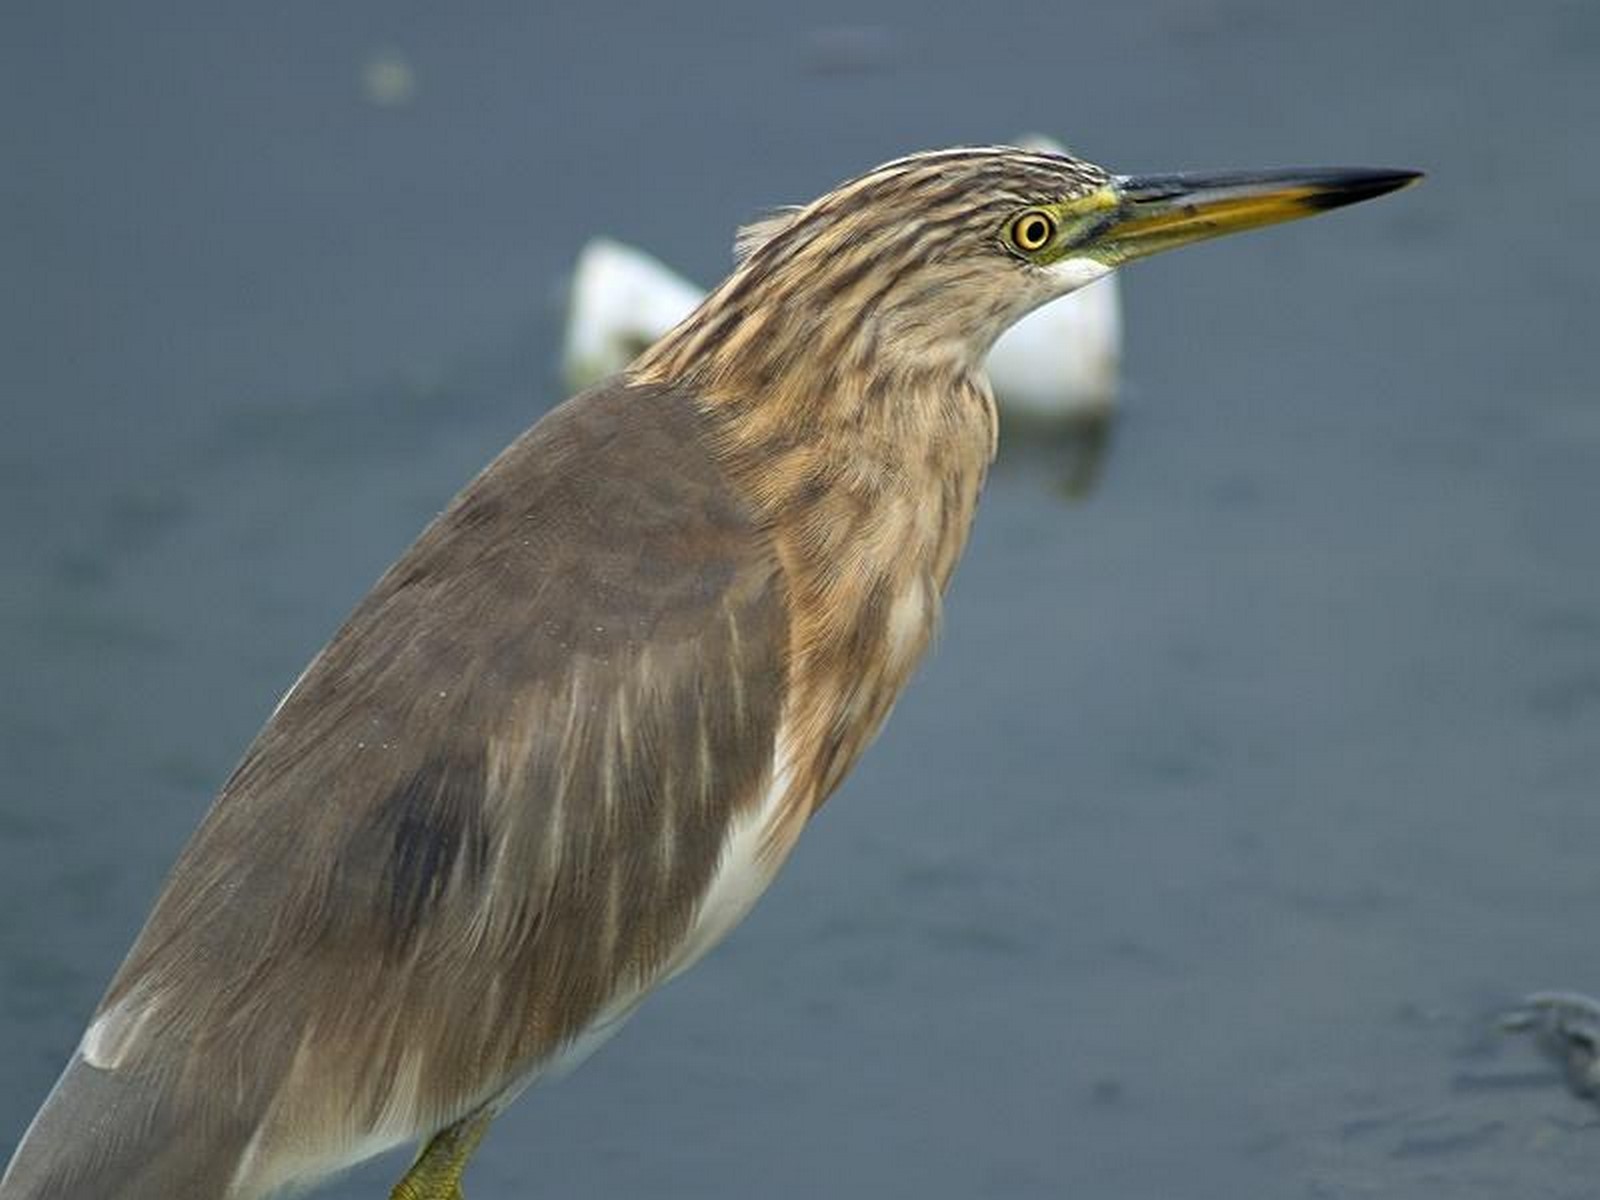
(1234, 800)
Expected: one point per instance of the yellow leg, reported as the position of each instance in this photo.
(436, 1175)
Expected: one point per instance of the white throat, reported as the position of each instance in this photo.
(1070, 274)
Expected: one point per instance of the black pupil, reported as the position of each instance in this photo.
(1033, 231)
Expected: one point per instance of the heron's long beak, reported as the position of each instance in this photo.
(1141, 214)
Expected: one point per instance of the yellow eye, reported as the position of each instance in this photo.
(1032, 231)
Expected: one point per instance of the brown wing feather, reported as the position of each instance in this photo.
(489, 808)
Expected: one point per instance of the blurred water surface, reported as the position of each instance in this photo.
(1234, 799)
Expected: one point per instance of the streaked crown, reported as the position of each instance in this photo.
(922, 261)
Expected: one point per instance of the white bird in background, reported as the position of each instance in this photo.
(1058, 366)
(621, 300)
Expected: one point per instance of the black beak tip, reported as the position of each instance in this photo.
(1351, 185)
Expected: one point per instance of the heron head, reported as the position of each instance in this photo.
(926, 260)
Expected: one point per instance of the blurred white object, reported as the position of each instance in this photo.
(1062, 361)
(1057, 364)
(388, 79)
(621, 301)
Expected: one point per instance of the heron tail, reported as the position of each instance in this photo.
(122, 1135)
